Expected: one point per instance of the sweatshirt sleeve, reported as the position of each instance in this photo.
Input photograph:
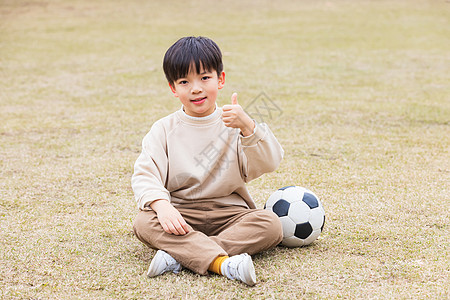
(260, 153)
(150, 170)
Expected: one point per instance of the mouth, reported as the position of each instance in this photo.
(199, 100)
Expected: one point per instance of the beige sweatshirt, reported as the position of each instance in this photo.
(186, 159)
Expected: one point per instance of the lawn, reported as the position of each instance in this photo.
(363, 94)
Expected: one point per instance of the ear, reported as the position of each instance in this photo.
(174, 91)
(221, 80)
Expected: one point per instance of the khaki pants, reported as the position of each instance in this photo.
(215, 229)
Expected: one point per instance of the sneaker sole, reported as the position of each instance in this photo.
(250, 279)
(157, 265)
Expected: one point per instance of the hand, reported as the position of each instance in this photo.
(169, 217)
(234, 116)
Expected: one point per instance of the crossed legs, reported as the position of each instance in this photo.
(215, 230)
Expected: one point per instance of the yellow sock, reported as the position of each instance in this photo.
(216, 264)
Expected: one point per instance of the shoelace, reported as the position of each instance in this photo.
(172, 264)
(232, 268)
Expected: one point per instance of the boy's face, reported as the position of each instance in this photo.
(198, 92)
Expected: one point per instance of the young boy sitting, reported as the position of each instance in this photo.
(189, 180)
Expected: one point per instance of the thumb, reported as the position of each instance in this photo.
(234, 99)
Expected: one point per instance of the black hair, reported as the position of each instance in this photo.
(189, 51)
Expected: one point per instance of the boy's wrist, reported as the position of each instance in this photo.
(159, 204)
(249, 128)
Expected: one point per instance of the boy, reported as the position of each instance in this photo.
(189, 180)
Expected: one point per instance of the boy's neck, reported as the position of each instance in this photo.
(200, 118)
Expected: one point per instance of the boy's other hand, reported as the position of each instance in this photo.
(234, 116)
(169, 217)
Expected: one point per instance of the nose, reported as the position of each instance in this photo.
(196, 87)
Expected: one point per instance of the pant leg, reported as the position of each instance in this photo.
(194, 250)
(247, 230)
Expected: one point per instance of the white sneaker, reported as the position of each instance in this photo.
(162, 262)
(240, 267)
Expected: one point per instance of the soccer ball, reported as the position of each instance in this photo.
(300, 212)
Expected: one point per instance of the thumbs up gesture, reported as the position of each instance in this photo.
(234, 116)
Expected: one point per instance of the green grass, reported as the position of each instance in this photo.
(364, 89)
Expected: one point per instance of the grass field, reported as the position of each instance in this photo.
(365, 97)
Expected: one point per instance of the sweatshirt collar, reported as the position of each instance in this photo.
(200, 120)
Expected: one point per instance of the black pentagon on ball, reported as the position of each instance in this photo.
(281, 208)
(302, 231)
(311, 200)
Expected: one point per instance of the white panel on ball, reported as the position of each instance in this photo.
(316, 218)
(288, 226)
(299, 212)
(273, 198)
(312, 237)
(294, 193)
(292, 242)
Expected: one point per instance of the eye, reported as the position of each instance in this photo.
(182, 82)
(206, 77)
